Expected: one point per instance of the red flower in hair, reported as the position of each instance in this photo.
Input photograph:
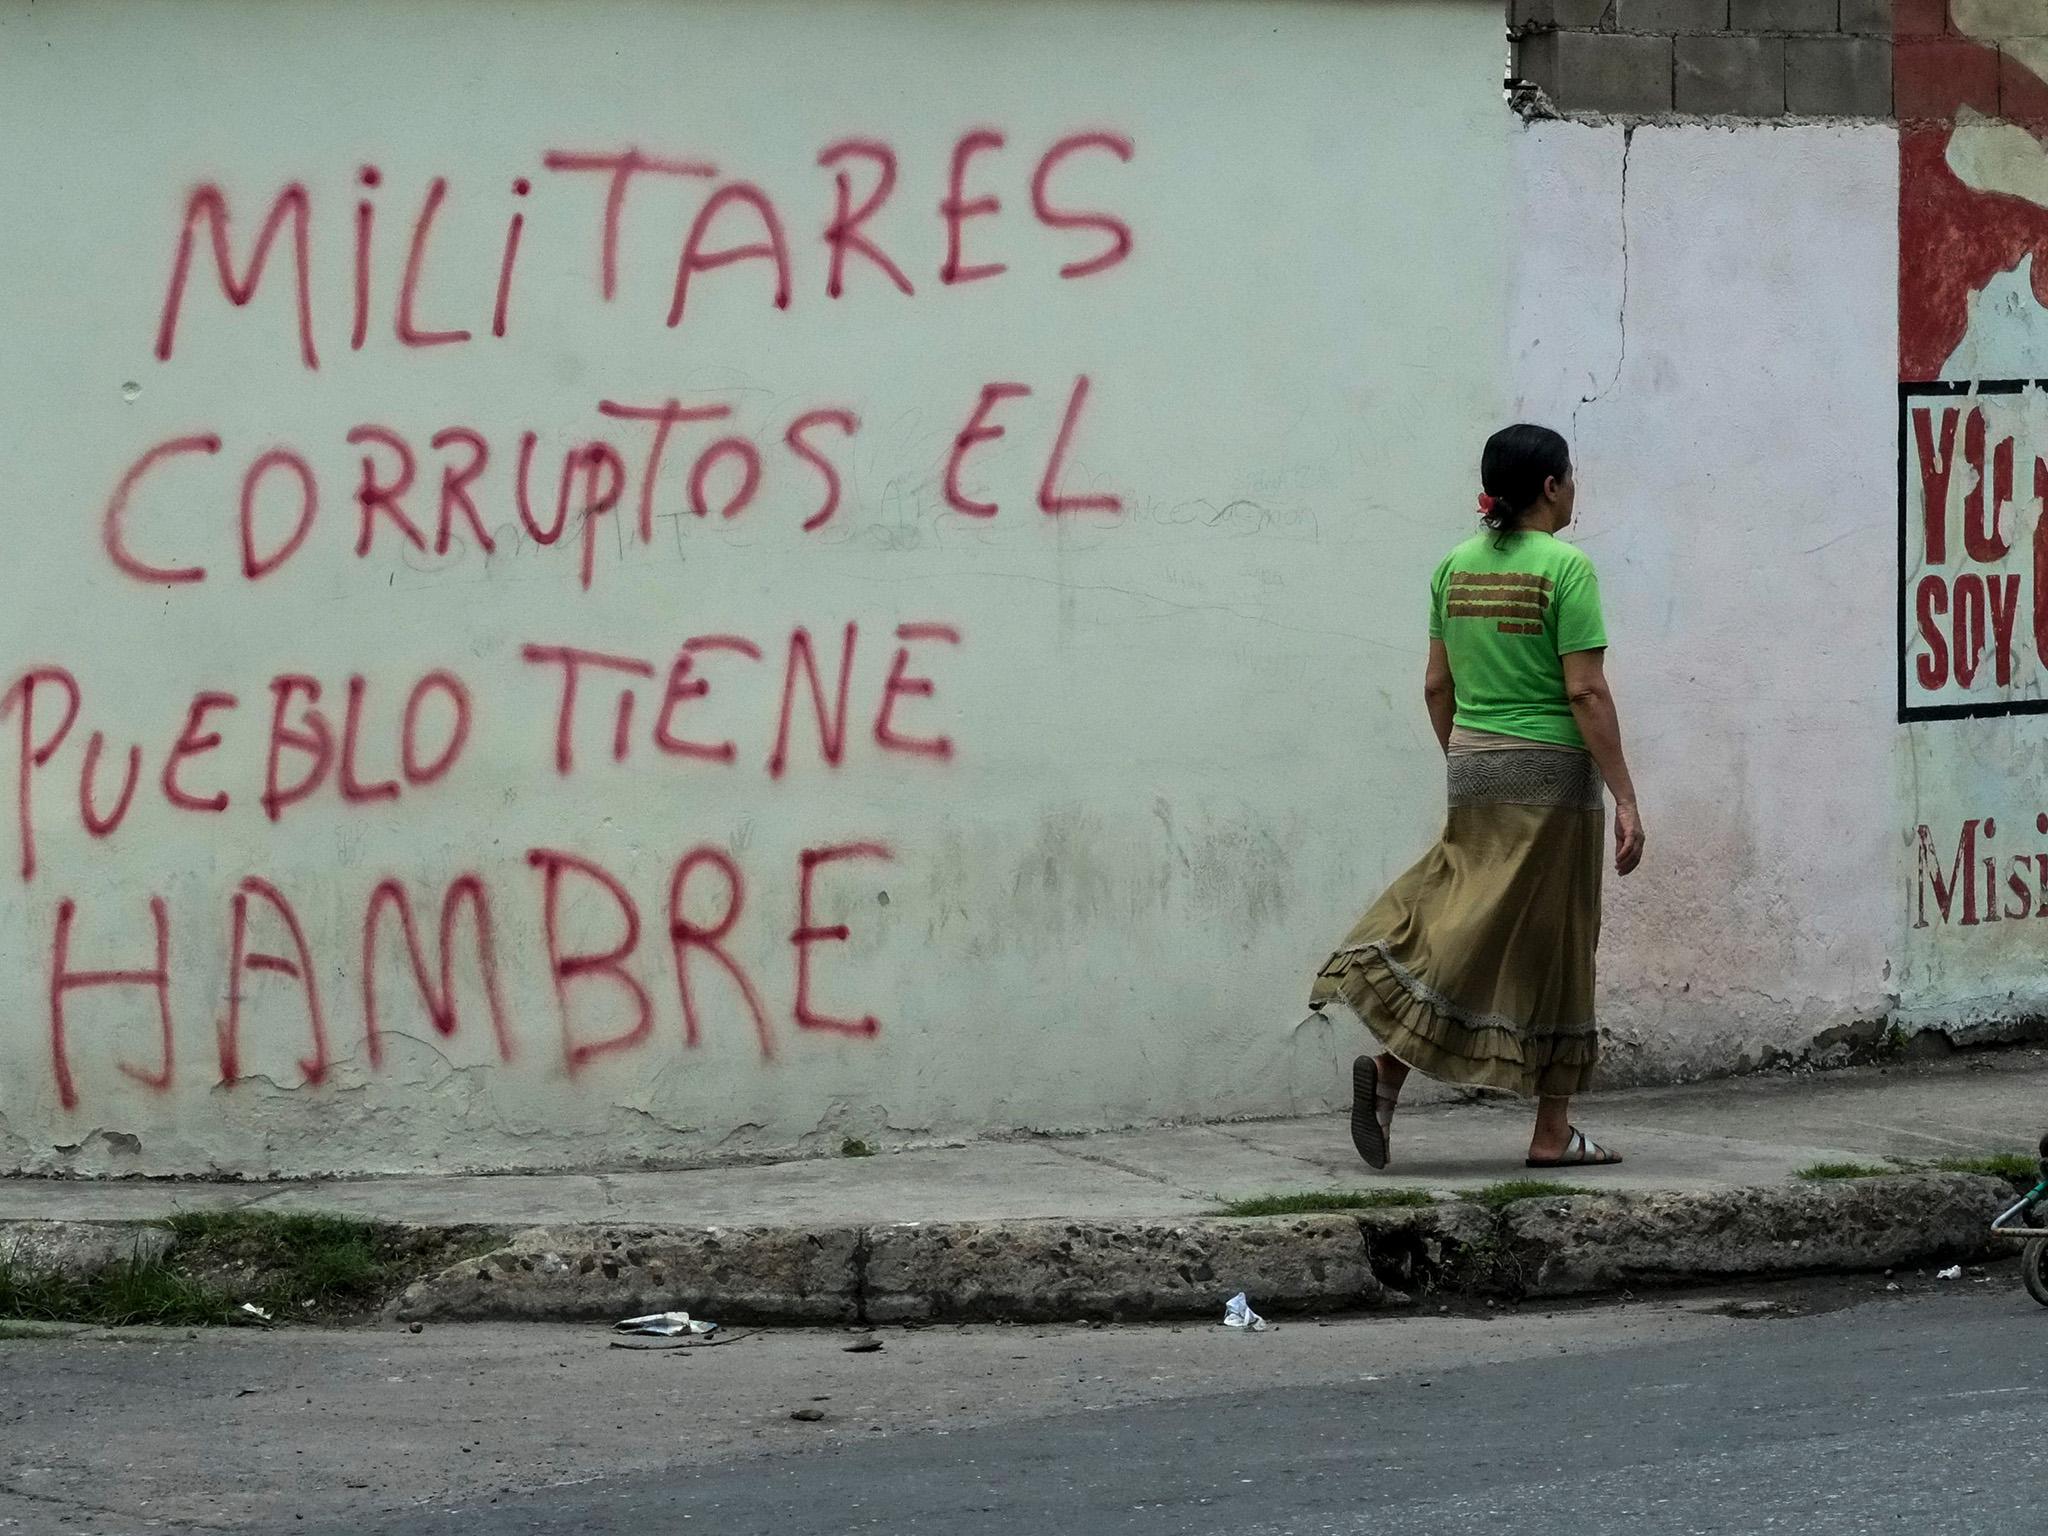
(1487, 504)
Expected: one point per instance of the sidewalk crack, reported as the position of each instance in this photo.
(1103, 1160)
(1336, 1161)
(81, 1506)
(268, 1195)
(862, 1247)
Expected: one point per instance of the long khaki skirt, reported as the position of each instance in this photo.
(1476, 966)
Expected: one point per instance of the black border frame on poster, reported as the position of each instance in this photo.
(1913, 713)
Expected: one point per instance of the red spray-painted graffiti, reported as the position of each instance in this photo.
(391, 493)
(303, 750)
(616, 966)
(438, 265)
(737, 223)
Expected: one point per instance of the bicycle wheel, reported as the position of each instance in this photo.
(2034, 1268)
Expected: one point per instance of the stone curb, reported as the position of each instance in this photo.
(1602, 1243)
(1053, 1271)
(80, 1247)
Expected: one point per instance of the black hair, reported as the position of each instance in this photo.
(1515, 467)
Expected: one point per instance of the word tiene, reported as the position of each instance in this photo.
(259, 912)
(736, 223)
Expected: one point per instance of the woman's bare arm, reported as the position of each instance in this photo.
(1439, 693)
(1585, 684)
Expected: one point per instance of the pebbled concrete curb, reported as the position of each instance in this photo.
(80, 1247)
(1046, 1271)
(1596, 1244)
(1049, 1271)
(578, 1274)
(1052, 1271)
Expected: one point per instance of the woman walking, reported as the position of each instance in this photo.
(1476, 966)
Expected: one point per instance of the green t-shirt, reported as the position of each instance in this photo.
(1507, 616)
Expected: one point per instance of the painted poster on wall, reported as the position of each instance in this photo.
(1973, 340)
(1972, 98)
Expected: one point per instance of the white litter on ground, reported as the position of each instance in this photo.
(1238, 1313)
(664, 1324)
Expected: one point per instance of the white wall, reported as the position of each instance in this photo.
(1711, 315)
(1815, 862)
(1186, 747)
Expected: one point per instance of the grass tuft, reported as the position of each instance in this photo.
(1498, 1196)
(296, 1267)
(1822, 1172)
(2020, 1167)
(1319, 1202)
(334, 1262)
(122, 1295)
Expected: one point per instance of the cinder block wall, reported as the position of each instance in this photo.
(1760, 59)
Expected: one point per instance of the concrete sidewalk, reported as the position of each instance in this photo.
(1125, 1225)
(1727, 1134)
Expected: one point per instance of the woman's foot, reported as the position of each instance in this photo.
(1577, 1151)
(1372, 1112)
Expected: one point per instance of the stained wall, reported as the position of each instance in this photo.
(624, 582)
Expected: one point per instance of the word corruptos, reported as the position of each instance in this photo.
(259, 912)
(738, 223)
(371, 751)
(429, 492)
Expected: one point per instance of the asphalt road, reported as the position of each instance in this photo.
(1847, 1411)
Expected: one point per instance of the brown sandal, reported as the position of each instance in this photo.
(1368, 1128)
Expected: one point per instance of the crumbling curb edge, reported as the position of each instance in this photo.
(1555, 1247)
(1053, 1271)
